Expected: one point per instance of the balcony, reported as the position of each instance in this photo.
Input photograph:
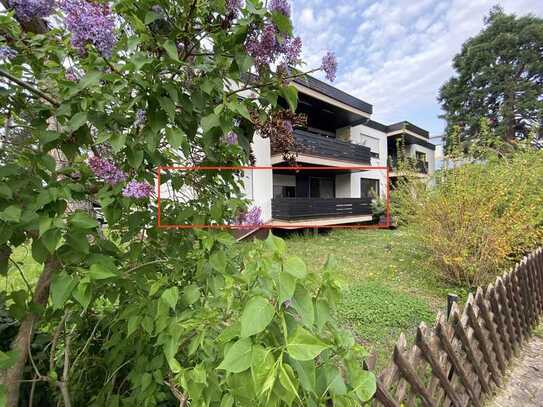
(314, 145)
(311, 208)
(418, 166)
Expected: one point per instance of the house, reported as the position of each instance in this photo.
(339, 133)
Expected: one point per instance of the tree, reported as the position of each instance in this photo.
(93, 98)
(499, 76)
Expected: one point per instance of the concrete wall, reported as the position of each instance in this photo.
(259, 183)
(430, 156)
(343, 186)
(360, 135)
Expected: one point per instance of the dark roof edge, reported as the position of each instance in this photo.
(334, 93)
(405, 125)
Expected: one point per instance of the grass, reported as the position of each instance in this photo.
(387, 285)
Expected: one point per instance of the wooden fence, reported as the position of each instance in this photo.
(461, 360)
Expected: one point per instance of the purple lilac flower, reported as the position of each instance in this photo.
(26, 10)
(137, 189)
(263, 46)
(287, 125)
(7, 53)
(281, 6)
(71, 75)
(90, 23)
(231, 138)
(141, 116)
(233, 7)
(106, 170)
(292, 49)
(329, 66)
(252, 217)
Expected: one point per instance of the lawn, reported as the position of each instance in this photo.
(388, 287)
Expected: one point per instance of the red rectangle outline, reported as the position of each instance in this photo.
(266, 226)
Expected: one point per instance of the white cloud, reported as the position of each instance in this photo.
(395, 54)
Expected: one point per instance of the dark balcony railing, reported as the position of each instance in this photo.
(326, 147)
(307, 208)
(414, 164)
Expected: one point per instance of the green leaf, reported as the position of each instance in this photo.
(50, 239)
(5, 192)
(44, 224)
(218, 261)
(171, 50)
(8, 359)
(191, 294)
(176, 137)
(244, 61)
(210, 121)
(282, 22)
(135, 158)
(11, 214)
(99, 271)
(290, 93)
(77, 120)
(304, 346)
(287, 379)
(295, 266)
(262, 363)
(303, 304)
(90, 79)
(364, 384)
(150, 16)
(132, 324)
(322, 313)
(287, 285)
(61, 288)
(82, 293)
(256, 316)
(306, 373)
(238, 358)
(83, 220)
(171, 296)
(168, 106)
(276, 244)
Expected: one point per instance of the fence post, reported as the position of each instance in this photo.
(451, 299)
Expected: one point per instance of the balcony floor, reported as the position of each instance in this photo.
(320, 221)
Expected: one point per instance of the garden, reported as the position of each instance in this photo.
(101, 308)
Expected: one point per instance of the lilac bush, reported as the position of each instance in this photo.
(7, 53)
(26, 10)
(141, 116)
(252, 217)
(138, 189)
(329, 66)
(106, 170)
(231, 138)
(280, 6)
(90, 23)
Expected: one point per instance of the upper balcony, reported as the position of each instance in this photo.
(321, 150)
(414, 165)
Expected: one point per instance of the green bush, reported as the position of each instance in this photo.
(480, 216)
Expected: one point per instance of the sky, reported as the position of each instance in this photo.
(395, 54)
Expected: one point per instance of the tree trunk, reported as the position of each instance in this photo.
(21, 344)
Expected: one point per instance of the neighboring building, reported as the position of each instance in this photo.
(339, 133)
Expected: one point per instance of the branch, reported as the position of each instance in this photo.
(261, 85)
(29, 87)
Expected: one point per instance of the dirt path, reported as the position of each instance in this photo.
(524, 385)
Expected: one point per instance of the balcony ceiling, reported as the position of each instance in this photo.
(322, 115)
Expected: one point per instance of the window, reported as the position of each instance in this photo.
(372, 143)
(420, 156)
(369, 188)
(281, 191)
(321, 187)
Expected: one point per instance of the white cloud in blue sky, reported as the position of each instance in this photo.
(395, 54)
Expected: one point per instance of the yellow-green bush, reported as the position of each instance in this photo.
(479, 217)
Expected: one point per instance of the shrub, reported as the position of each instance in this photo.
(479, 217)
